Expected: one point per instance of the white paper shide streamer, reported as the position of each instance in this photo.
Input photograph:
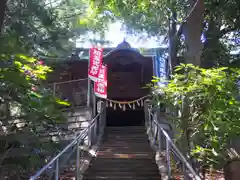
(124, 105)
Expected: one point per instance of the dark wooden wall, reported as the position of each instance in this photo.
(68, 70)
(74, 92)
(125, 81)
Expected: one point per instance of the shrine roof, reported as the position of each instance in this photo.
(82, 54)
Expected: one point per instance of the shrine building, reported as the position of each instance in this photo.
(128, 72)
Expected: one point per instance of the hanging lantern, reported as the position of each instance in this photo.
(114, 106)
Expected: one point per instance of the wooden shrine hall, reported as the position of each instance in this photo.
(128, 72)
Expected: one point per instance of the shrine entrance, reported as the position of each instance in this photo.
(128, 74)
(129, 117)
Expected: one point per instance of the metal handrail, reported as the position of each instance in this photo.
(169, 145)
(70, 81)
(77, 141)
(56, 84)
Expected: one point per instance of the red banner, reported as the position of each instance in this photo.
(100, 86)
(95, 61)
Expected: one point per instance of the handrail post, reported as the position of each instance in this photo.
(54, 89)
(185, 176)
(57, 169)
(78, 161)
(95, 130)
(90, 137)
(146, 112)
(159, 139)
(94, 104)
(168, 158)
(150, 117)
(89, 93)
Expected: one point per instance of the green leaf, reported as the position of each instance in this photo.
(62, 102)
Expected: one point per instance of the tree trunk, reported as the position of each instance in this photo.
(214, 55)
(3, 4)
(192, 31)
(210, 45)
(174, 41)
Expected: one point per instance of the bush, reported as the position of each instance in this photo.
(206, 110)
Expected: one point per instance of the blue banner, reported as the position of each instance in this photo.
(160, 68)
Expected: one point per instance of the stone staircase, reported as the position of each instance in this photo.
(124, 153)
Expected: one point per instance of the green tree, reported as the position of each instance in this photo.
(207, 111)
(183, 23)
(29, 28)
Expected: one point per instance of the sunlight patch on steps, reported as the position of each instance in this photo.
(92, 152)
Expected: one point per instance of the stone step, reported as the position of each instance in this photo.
(120, 173)
(122, 168)
(126, 143)
(126, 129)
(125, 140)
(133, 130)
(156, 177)
(130, 161)
(125, 153)
(124, 136)
(108, 167)
(136, 155)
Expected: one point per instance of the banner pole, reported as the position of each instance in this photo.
(89, 83)
(89, 92)
(94, 105)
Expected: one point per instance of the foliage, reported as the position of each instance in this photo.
(41, 28)
(26, 107)
(150, 16)
(207, 110)
(221, 32)
(220, 27)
